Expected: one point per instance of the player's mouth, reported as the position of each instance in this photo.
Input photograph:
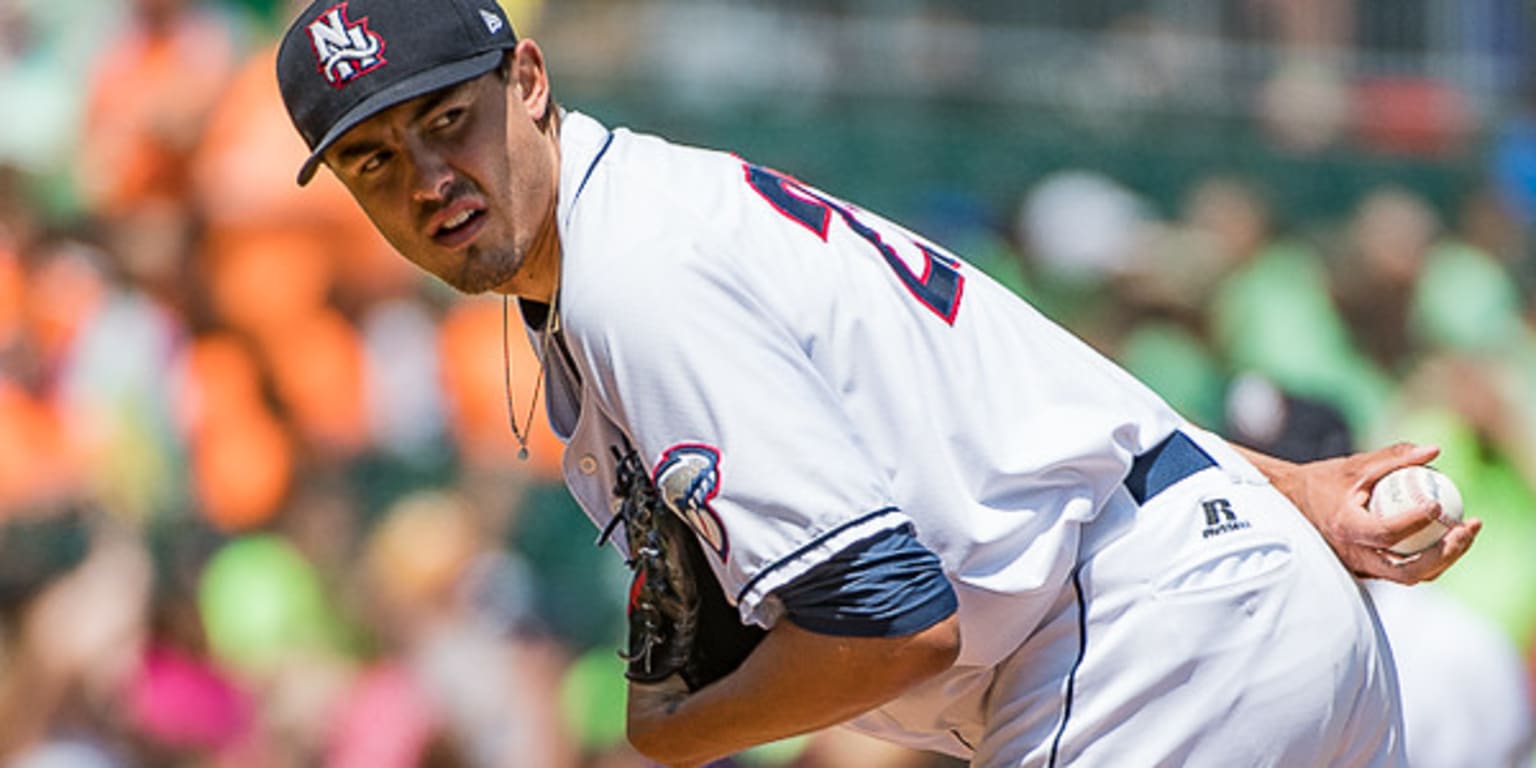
(457, 225)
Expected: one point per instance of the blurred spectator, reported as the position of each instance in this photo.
(110, 383)
(1178, 365)
(404, 395)
(1082, 225)
(1316, 26)
(592, 701)
(317, 371)
(1388, 243)
(47, 48)
(1465, 301)
(1487, 221)
(242, 458)
(1274, 315)
(1304, 105)
(63, 677)
(186, 709)
(1225, 224)
(1137, 63)
(150, 92)
(12, 292)
(1080, 229)
(1262, 416)
(468, 675)
(274, 626)
(45, 446)
(148, 97)
(1411, 115)
(36, 464)
(1512, 158)
(1233, 214)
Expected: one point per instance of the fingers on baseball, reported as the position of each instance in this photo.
(1380, 463)
(1429, 563)
(1455, 544)
(1406, 523)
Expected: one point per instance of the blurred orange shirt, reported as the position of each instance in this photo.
(147, 100)
(241, 458)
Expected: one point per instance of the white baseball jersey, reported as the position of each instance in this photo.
(800, 374)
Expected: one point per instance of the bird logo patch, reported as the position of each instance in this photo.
(345, 49)
(687, 477)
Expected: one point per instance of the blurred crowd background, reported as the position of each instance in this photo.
(259, 503)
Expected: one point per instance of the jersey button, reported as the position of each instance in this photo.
(587, 464)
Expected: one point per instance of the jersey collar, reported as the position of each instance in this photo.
(583, 142)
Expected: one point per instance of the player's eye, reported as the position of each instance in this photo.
(447, 119)
(374, 162)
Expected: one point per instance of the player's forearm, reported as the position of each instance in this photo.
(794, 682)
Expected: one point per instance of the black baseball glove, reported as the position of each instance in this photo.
(679, 620)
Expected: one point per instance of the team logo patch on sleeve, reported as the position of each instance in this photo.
(687, 477)
(345, 49)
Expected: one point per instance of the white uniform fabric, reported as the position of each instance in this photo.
(819, 381)
(1466, 703)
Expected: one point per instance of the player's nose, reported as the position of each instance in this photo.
(431, 177)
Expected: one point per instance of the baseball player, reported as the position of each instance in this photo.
(963, 530)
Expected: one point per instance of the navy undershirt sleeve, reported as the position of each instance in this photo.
(888, 585)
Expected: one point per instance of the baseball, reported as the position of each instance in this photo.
(1403, 489)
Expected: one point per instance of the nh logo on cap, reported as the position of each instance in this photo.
(346, 49)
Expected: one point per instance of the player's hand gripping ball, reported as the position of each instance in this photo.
(1410, 487)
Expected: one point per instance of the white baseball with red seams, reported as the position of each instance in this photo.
(1410, 487)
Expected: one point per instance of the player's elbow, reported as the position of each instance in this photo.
(931, 651)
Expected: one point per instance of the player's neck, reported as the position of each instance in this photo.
(539, 276)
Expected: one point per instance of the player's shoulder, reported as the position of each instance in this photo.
(645, 212)
(627, 189)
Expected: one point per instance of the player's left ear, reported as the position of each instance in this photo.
(532, 79)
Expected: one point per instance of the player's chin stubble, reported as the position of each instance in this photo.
(483, 270)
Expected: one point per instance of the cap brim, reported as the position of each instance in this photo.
(424, 82)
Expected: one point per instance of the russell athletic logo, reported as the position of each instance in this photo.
(346, 49)
(1219, 518)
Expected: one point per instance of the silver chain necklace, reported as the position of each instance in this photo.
(548, 330)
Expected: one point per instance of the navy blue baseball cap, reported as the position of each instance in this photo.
(344, 61)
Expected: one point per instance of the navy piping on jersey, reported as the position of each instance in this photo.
(1175, 458)
(808, 546)
(886, 585)
(1082, 650)
(603, 150)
